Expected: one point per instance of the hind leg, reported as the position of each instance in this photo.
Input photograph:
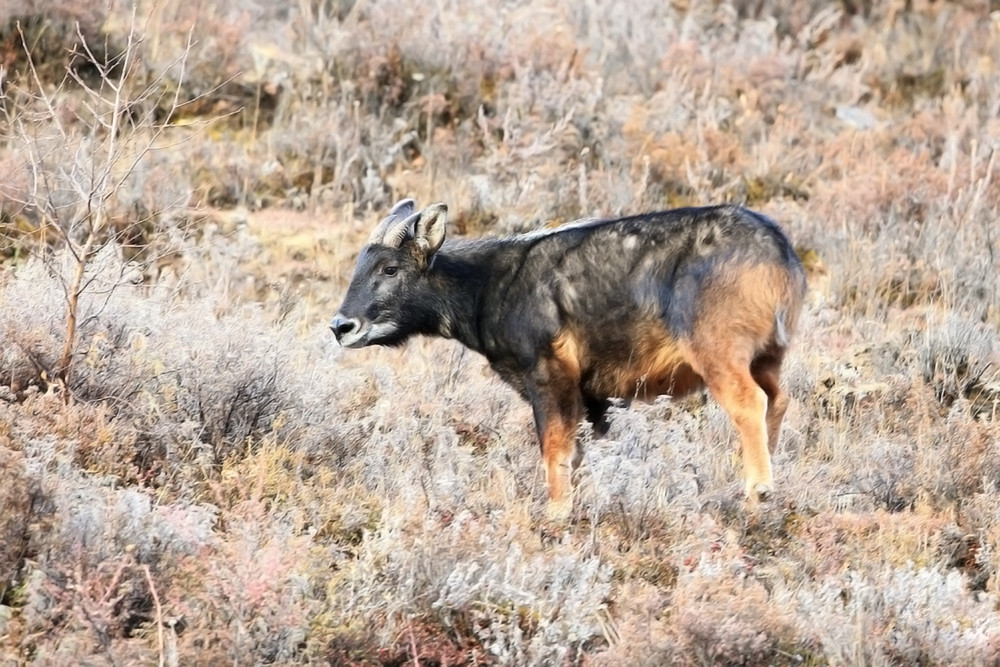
(728, 378)
(597, 413)
(766, 373)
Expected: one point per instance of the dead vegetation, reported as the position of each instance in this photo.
(203, 477)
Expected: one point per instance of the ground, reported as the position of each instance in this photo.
(201, 475)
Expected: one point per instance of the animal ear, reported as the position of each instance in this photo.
(429, 228)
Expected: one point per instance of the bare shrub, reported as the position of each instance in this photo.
(521, 607)
(18, 498)
(252, 601)
(72, 162)
(183, 379)
(957, 356)
(88, 543)
(647, 471)
(909, 614)
(722, 617)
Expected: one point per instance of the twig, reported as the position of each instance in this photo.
(37, 80)
(159, 612)
(413, 643)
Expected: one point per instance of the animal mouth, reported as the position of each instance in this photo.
(354, 344)
(365, 333)
(355, 338)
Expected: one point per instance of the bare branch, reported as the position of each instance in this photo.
(38, 81)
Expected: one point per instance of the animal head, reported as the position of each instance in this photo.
(380, 307)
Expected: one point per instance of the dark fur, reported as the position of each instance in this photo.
(610, 308)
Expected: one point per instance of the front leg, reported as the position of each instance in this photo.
(557, 433)
(558, 405)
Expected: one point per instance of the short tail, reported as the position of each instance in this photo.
(786, 315)
(782, 336)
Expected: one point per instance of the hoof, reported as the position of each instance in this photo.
(559, 511)
(759, 492)
(554, 528)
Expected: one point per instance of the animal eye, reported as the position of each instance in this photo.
(390, 270)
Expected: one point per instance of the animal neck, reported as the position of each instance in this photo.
(460, 276)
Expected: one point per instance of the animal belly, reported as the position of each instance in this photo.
(646, 383)
(659, 368)
(630, 359)
(680, 381)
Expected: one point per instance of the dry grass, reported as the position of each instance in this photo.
(216, 482)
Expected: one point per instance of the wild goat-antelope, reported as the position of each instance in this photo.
(661, 303)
